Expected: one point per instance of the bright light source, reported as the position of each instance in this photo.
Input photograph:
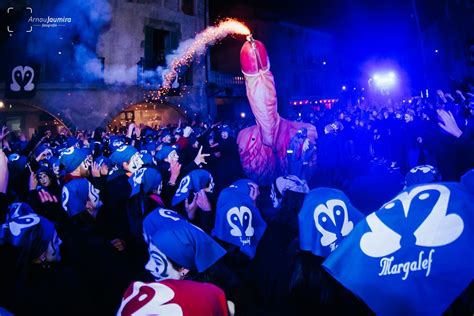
(344, 88)
(2, 105)
(384, 81)
(299, 114)
(436, 51)
(242, 114)
(324, 63)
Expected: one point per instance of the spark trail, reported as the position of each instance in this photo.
(188, 50)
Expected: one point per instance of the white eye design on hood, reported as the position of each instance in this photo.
(169, 214)
(437, 229)
(135, 163)
(23, 222)
(14, 157)
(138, 177)
(332, 221)
(240, 220)
(68, 151)
(183, 186)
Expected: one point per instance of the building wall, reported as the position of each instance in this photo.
(121, 44)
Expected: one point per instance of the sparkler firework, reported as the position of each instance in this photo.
(188, 50)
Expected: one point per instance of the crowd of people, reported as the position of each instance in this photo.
(141, 220)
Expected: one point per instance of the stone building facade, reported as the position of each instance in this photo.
(134, 41)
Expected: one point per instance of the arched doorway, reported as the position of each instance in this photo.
(149, 114)
(23, 118)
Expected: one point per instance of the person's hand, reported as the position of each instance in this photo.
(216, 124)
(4, 133)
(33, 182)
(95, 170)
(43, 154)
(203, 202)
(448, 95)
(104, 170)
(175, 169)
(3, 172)
(118, 243)
(200, 157)
(441, 95)
(130, 130)
(254, 191)
(448, 123)
(459, 92)
(191, 208)
(45, 197)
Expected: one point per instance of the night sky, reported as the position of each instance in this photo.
(385, 24)
(363, 30)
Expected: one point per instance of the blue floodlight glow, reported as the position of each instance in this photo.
(385, 80)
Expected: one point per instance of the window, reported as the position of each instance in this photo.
(158, 44)
(187, 6)
(127, 115)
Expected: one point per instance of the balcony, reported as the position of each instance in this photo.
(225, 85)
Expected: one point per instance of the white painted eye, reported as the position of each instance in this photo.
(338, 212)
(424, 196)
(324, 219)
(389, 205)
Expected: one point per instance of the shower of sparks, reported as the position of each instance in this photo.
(190, 49)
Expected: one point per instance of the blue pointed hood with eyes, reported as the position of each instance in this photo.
(195, 181)
(72, 157)
(27, 230)
(163, 153)
(181, 241)
(148, 179)
(325, 219)
(75, 195)
(414, 255)
(242, 185)
(158, 219)
(17, 162)
(115, 142)
(238, 221)
(422, 174)
(123, 154)
(18, 209)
